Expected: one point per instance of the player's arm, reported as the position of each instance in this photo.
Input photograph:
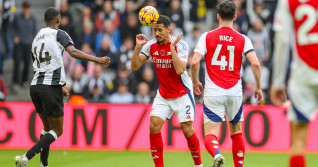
(256, 68)
(195, 68)
(199, 52)
(282, 27)
(178, 64)
(65, 40)
(77, 54)
(138, 59)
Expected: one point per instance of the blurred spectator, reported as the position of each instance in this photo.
(88, 35)
(69, 63)
(126, 52)
(97, 86)
(64, 10)
(97, 7)
(125, 76)
(87, 49)
(197, 11)
(8, 11)
(142, 95)
(130, 7)
(260, 39)
(76, 82)
(148, 77)
(250, 85)
(67, 26)
(122, 95)
(23, 32)
(109, 32)
(108, 13)
(242, 18)
(3, 90)
(105, 51)
(80, 24)
(175, 13)
(192, 39)
(131, 27)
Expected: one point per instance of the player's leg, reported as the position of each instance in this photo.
(156, 143)
(159, 113)
(238, 146)
(234, 113)
(298, 144)
(185, 110)
(304, 102)
(45, 153)
(193, 142)
(214, 111)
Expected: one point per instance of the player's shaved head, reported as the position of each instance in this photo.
(226, 9)
(51, 14)
(164, 20)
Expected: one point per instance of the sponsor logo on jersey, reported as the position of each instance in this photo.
(168, 53)
(156, 53)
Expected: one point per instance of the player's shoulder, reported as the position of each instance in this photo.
(151, 42)
(182, 44)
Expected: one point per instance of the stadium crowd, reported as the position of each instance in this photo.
(109, 27)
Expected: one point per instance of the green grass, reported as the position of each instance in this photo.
(60, 158)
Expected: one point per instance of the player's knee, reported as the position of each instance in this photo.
(58, 131)
(154, 126)
(187, 130)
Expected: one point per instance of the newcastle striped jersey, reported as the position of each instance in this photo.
(47, 50)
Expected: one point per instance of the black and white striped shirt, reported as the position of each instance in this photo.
(47, 49)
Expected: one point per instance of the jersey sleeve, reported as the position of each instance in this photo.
(201, 46)
(182, 51)
(248, 46)
(283, 28)
(64, 39)
(146, 49)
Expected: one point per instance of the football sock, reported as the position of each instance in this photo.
(211, 144)
(156, 147)
(238, 149)
(45, 151)
(43, 143)
(194, 146)
(297, 161)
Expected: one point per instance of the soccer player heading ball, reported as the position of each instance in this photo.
(175, 95)
(47, 89)
(223, 49)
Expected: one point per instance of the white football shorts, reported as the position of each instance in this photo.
(183, 106)
(215, 108)
(304, 100)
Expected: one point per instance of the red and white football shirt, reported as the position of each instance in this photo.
(296, 22)
(223, 49)
(172, 85)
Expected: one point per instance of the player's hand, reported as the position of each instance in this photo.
(65, 92)
(174, 43)
(197, 88)
(258, 94)
(141, 39)
(104, 60)
(278, 96)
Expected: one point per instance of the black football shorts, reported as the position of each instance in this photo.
(48, 100)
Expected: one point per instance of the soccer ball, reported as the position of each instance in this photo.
(148, 16)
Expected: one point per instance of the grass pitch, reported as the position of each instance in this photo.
(60, 158)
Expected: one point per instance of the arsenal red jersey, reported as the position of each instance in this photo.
(223, 49)
(296, 26)
(172, 85)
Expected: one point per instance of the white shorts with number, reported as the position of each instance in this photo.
(304, 100)
(215, 108)
(183, 107)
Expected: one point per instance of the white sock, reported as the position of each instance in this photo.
(53, 134)
(44, 132)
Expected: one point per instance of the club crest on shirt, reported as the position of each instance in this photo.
(162, 52)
